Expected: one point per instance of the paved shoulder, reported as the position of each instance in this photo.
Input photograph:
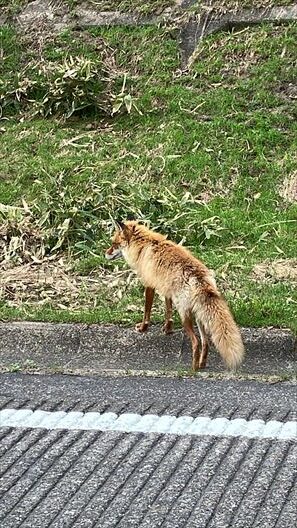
(92, 349)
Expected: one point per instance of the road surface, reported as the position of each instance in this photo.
(133, 452)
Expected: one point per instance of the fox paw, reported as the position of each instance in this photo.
(198, 365)
(202, 364)
(168, 327)
(141, 327)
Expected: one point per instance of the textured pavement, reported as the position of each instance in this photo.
(63, 478)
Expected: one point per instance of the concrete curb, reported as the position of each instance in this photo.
(96, 349)
(191, 26)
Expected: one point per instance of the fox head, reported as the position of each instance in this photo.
(121, 239)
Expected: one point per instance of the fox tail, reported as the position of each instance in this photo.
(212, 311)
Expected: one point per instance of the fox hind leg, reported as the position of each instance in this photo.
(168, 325)
(149, 298)
(204, 345)
(188, 326)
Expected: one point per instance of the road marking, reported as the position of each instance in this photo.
(148, 423)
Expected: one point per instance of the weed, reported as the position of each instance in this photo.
(14, 367)
(76, 84)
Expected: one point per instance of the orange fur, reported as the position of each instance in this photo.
(176, 274)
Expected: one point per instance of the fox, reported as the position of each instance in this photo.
(186, 283)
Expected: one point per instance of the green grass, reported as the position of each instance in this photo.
(204, 163)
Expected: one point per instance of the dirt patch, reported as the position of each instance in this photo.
(276, 271)
(288, 189)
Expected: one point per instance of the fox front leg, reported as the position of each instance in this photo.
(149, 297)
(168, 325)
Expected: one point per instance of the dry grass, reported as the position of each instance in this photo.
(288, 189)
(31, 275)
(52, 282)
(237, 5)
(278, 270)
(21, 241)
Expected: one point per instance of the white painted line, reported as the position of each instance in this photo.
(181, 425)
(145, 424)
(148, 423)
(200, 426)
(163, 424)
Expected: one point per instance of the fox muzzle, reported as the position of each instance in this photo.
(112, 254)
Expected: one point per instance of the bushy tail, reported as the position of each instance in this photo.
(212, 311)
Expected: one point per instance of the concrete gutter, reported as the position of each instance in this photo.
(112, 349)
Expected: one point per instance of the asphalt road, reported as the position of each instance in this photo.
(80, 477)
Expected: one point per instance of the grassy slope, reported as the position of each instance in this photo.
(204, 162)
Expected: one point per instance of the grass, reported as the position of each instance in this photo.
(204, 161)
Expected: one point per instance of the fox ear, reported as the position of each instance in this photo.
(127, 230)
(120, 224)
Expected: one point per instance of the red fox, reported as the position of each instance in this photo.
(186, 283)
